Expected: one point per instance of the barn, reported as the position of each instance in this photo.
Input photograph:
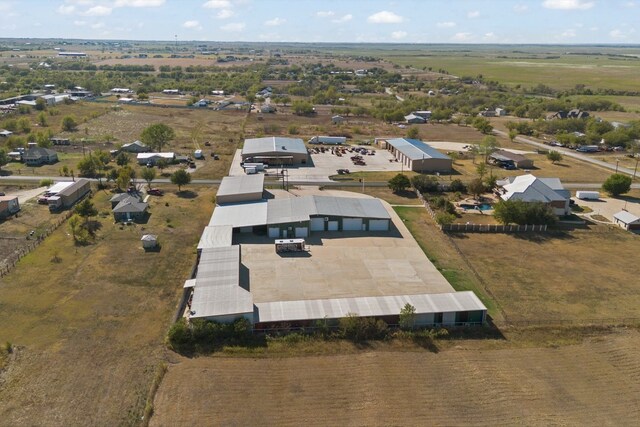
(275, 150)
(418, 156)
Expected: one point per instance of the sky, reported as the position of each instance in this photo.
(369, 21)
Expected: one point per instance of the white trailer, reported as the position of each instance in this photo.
(198, 154)
(333, 140)
(259, 167)
(587, 195)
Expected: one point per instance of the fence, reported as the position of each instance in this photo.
(10, 261)
(491, 228)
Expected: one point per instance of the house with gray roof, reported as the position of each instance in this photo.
(37, 156)
(129, 208)
(528, 188)
(135, 147)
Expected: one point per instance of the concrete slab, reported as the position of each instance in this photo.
(341, 264)
(607, 207)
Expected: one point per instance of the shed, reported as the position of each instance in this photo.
(135, 147)
(149, 241)
(336, 120)
(244, 188)
(418, 156)
(9, 205)
(152, 158)
(275, 150)
(627, 220)
(518, 160)
(413, 119)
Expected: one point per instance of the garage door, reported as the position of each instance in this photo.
(317, 224)
(274, 232)
(332, 226)
(302, 231)
(352, 224)
(378, 225)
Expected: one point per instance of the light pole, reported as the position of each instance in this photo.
(617, 161)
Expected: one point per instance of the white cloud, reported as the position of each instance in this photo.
(630, 4)
(275, 22)
(80, 23)
(97, 11)
(568, 4)
(191, 24)
(473, 14)
(217, 4)
(66, 9)
(447, 24)
(398, 35)
(385, 17)
(5, 7)
(346, 18)
(520, 8)
(568, 33)
(325, 14)
(97, 25)
(224, 14)
(462, 37)
(619, 34)
(138, 3)
(233, 27)
(490, 37)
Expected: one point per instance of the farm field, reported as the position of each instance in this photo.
(488, 382)
(88, 328)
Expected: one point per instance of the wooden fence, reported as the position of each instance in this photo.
(10, 262)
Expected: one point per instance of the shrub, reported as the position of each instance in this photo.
(180, 337)
(46, 183)
(399, 182)
(520, 212)
(617, 184)
(425, 184)
(358, 328)
(444, 218)
(457, 186)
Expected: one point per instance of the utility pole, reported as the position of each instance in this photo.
(635, 169)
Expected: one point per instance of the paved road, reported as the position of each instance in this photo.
(570, 153)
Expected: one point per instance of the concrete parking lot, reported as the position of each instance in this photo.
(607, 207)
(341, 264)
(326, 164)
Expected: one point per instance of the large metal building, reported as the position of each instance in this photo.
(275, 150)
(243, 188)
(418, 156)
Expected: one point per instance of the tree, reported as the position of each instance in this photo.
(483, 125)
(86, 210)
(554, 156)
(407, 318)
(180, 177)
(157, 135)
(41, 104)
(4, 158)
(162, 164)
(457, 186)
(42, 119)
(122, 159)
(75, 225)
(399, 182)
(125, 175)
(413, 133)
(476, 187)
(148, 174)
(488, 145)
(302, 108)
(481, 169)
(512, 134)
(425, 184)
(443, 218)
(88, 166)
(617, 184)
(69, 124)
(522, 213)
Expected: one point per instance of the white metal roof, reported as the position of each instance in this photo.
(273, 144)
(242, 184)
(416, 149)
(285, 311)
(151, 155)
(216, 237)
(240, 215)
(528, 188)
(288, 210)
(58, 187)
(295, 209)
(626, 217)
(217, 290)
(67, 191)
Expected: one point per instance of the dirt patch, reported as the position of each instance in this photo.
(530, 386)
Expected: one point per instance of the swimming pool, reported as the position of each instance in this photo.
(481, 206)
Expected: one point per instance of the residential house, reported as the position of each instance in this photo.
(413, 119)
(528, 188)
(36, 156)
(9, 205)
(135, 147)
(130, 208)
(152, 158)
(425, 114)
(487, 113)
(336, 120)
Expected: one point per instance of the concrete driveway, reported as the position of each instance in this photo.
(28, 194)
(607, 207)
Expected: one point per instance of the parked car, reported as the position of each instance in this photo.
(155, 192)
(43, 201)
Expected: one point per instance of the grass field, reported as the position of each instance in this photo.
(574, 275)
(487, 382)
(89, 329)
(402, 198)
